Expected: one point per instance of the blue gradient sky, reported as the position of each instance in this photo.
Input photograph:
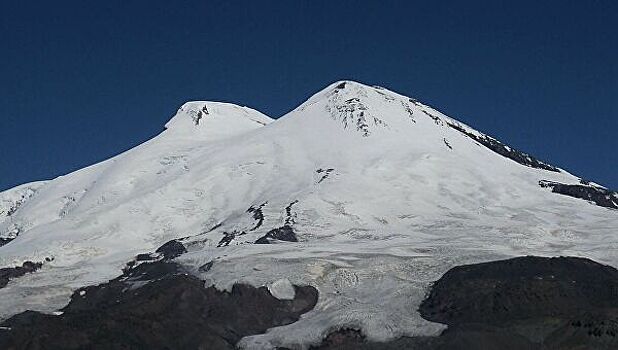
(82, 81)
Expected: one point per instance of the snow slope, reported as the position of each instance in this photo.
(382, 192)
(10, 201)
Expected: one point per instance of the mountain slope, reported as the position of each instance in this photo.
(10, 201)
(367, 195)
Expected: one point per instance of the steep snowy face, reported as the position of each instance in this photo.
(214, 120)
(360, 109)
(10, 202)
(364, 193)
(348, 112)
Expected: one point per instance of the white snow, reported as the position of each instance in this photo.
(212, 120)
(398, 209)
(10, 202)
(282, 289)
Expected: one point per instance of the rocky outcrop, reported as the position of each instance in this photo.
(504, 150)
(9, 273)
(283, 233)
(520, 303)
(156, 306)
(595, 194)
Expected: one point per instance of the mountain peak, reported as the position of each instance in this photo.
(348, 87)
(361, 108)
(213, 120)
(365, 112)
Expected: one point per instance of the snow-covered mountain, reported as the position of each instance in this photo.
(365, 194)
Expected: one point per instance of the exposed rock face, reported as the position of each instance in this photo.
(8, 273)
(283, 233)
(156, 306)
(521, 288)
(171, 249)
(520, 303)
(596, 194)
(461, 340)
(504, 150)
(258, 215)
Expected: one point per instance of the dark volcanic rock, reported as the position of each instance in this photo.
(290, 218)
(228, 237)
(521, 288)
(598, 195)
(504, 150)
(283, 233)
(460, 339)
(8, 273)
(156, 306)
(342, 339)
(144, 257)
(520, 303)
(171, 249)
(325, 173)
(561, 303)
(257, 214)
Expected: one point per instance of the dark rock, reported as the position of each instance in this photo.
(505, 151)
(447, 144)
(344, 338)
(9, 273)
(262, 240)
(171, 249)
(435, 118)
(598, 195)
(341, 85)
(536, 298)
(460, 339)
(520, 303)
(283, 233)
(144, 257)
(10, 237)
(152, 271)
(200, 114)
(257, 215)
(325, 172)
(226, 240)
(289, 216)
(352, 112)
(520, 288)
(156, 306)
(206, 267)
(228, 237)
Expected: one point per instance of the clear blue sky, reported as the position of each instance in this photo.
(81, 81)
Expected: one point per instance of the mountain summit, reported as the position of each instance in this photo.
(363, 193)
(212, 120)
